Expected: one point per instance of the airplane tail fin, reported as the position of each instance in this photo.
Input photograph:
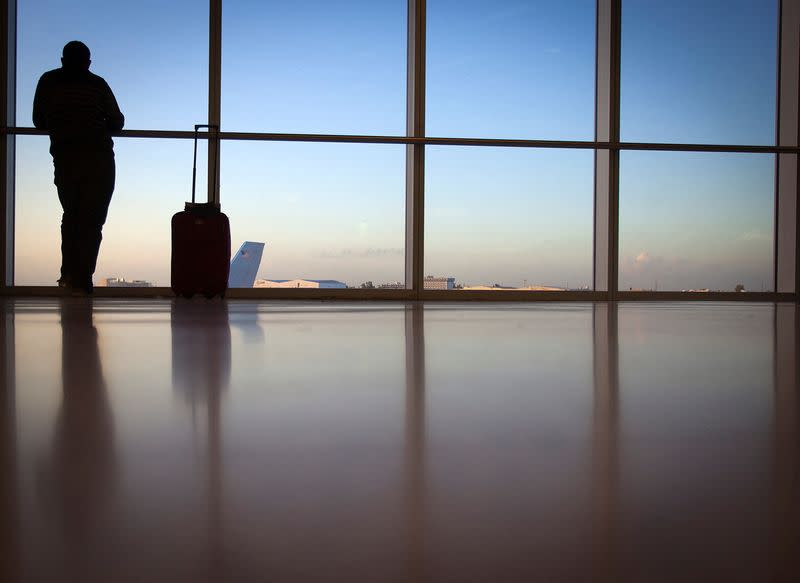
(245, 264)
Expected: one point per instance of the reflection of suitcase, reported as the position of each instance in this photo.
(201, 245)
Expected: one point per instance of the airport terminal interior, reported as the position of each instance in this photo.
(512, 295)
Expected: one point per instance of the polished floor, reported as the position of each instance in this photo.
(262, 441)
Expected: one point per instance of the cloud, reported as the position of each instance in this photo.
(755, 235)
(383, 252)
(368, 253)
(642, 258)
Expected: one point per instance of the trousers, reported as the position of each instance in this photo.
(85, 183)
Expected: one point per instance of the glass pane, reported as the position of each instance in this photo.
(153, 54)
(515, 69)
(314, 66)
(330, 215)
(509, 217)
(692, 221)
(153, 181)
(699, 72)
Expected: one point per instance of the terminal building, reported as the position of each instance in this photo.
(122, 282)
(301, 283)
(431, 282)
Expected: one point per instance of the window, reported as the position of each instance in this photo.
(696, 221)
(515, 69)
(136, 238)
(699, 72)
(314, 66)
(509, 217)
(153, 54)
(332, 212)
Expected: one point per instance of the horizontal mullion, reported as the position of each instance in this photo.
(23, 131)
(434, 141)
(720, 148)
(404, 140)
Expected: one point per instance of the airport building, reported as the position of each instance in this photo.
(300, 283)
(442, 283)
(122, 282)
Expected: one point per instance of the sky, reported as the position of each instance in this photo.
(692, 71)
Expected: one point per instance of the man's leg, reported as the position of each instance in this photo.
(95, 198)
(68, 187)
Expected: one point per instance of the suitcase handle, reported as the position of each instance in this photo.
(194, 161)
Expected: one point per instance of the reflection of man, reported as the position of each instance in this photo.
(78, 480)
(79, 111)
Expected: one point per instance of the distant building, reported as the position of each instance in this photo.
(494, 286)
(499, 287)
(122, 282)
(301, 283)
(431, 282)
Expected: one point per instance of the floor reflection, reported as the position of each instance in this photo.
(201, 351)
(605, 444)
(697, 447)
(201, 371)
(77, 479)
(413, 443)
(9, 498)
(785, 561)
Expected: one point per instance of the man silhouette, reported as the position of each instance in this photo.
(79, 111)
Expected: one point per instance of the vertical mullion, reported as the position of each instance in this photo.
(214, 95)
(786, 207)
(8, 25)
(415, 153)
(606, 202)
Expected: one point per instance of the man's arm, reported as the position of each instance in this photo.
(115, 121)
(39, 105)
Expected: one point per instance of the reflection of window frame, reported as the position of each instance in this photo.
(606, 146)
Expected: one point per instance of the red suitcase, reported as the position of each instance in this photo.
(201, 245)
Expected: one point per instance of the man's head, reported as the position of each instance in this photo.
(75, 55)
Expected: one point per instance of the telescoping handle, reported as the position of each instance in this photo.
(194, 161)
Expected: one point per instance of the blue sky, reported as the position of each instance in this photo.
(692, 71)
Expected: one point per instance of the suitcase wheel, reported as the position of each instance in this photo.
(187, 296)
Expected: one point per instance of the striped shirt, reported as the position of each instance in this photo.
(77, 109)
